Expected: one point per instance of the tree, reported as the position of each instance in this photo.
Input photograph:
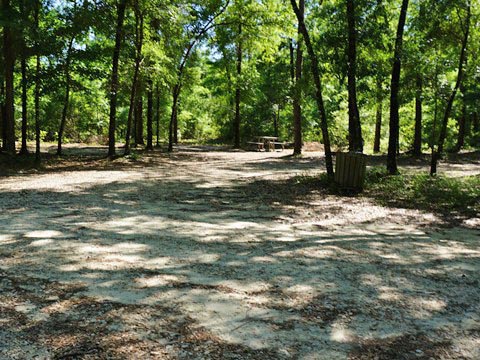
(121, 6)
(297, 87)
(318, 87)
(355, 141)
(9, 60)
(395, 85)
(443, 130)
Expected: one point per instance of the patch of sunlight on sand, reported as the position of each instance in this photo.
(45, 234)
(40, 243)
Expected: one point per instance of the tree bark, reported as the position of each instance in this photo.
(150, 115)
(114, 79)
(355, 141)
(443, 130)
(37, 83)
(297, 89)
(237, 120)
(379, 113)
(175, 94)
(23, 66)
(157, 115)
(318, 89)
(395, 86)
(9, 60)
(462, 122)
(417, 139)
(66, 101)
(133, 93)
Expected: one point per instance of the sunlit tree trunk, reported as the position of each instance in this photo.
(395, 86)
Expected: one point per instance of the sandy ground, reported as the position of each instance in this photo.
(198, 255)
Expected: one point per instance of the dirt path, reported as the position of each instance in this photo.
(197, 255)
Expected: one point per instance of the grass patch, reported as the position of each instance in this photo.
(455, 197)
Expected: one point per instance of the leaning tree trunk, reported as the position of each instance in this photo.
(443, 130)
(237, 120)
(297, 89)
(318, 89)
(395, 86)
(417, 139)
(114, 79)
(66, 101)
(9, 60)
(378, 121)
(355, 141)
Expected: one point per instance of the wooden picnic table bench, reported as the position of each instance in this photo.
(267, 143)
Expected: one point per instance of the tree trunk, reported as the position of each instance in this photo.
(417, 140)
(443, 130)
(462, 122)
(475, 122)
(66, 101)
(175, 93)
(23, 66)
(114, 79)
(139, 140)
(150, 115)
(37, 84)
(355, 141)
(24, 150)
(395, 86)
(297, 89)
(2, 111)
(318, 89)
(133, 93)
(9, 60)
(379, 113)
(237, 120)
(175, 122)
(157, 115)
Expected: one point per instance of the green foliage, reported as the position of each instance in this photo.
(450, 196)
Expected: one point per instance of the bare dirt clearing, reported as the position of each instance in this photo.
(189, 256)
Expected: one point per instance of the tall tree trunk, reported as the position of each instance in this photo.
(237, 120)
(297, 89)
(23, 66)
(395, 86)
(175, 94)
(66, 100)
(417, 139)
(318, 89)
(355, 141)
(9, 60)
(138, 112)
(150, 115)
(379, 113)
(37, 83)
(443, 130)
(157, 116)
(24, 150)
(114, 79)
(175, 122)
(462, 122)
(138, 58)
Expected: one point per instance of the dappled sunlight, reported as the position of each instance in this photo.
(160, 259)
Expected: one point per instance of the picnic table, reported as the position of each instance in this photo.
(267, 143)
